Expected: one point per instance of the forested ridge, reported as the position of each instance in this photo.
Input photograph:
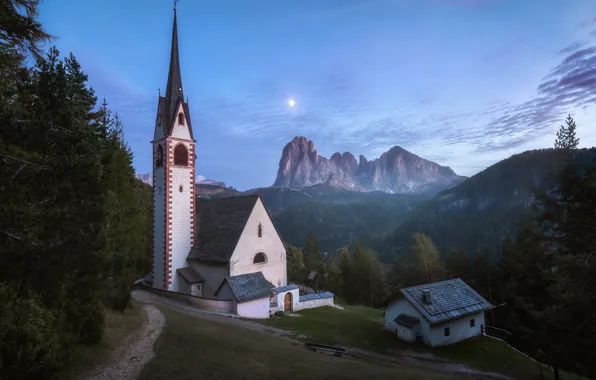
(75, 223)
(479, 212)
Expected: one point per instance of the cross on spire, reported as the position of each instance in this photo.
(175, 4)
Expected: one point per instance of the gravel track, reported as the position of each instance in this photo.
(129, 360)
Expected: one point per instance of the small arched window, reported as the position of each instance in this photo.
(260, 230)
(159, 157)
(181, 118)
(180, 155)
(260, 258)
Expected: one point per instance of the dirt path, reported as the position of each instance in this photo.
(425, 361)
(129, 361)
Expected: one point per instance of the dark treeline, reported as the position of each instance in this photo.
(74, 221)
(543, 281)
(355, 276)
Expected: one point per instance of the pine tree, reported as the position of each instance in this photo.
(566, 138)
(346, 273)
(426, 259)
(458, 264)
(295, 264)
(313, 260)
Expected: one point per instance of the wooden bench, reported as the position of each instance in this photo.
(337, 351)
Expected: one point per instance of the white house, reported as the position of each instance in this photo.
(438, 314)
(221, 250)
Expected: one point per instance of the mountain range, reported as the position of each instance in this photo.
(397, 171)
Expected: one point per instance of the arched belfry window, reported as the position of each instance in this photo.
(260, 230)
(260, 258)
(180, 155)
(181, 118)
(159, 156)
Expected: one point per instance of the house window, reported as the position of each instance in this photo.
(447, 331)
(260, 230)
(180, 155)
(472, 322)
(181, 118)
(159, 157)
(260, 258)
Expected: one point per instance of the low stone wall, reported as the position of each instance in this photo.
(219, 305)
(315, 300)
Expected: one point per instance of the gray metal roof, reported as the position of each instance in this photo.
(285, 288)
(250, 286)
(449, 299)
(220, 223)
(406, 320)
(309, 297)
(190, 275)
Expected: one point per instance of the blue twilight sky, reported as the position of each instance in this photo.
(464, 83)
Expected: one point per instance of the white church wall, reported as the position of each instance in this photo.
(181, 192)
(258, 308)
(249, 244)
(159, 221)
(180, 131)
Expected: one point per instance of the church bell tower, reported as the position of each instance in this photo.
(173, 178)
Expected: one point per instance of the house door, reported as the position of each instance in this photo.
(288, 302)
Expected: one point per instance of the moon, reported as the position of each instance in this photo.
(291, 102)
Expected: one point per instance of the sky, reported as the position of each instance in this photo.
(464, 83)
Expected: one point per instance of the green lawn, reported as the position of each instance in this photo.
(119, 328)
(194, 348)
(361, 327)
(354, 327)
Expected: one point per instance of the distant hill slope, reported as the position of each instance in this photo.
(337, 216)
(396, 171)
(478, 212)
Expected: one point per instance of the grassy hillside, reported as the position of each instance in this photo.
(194, 348)
(478, 212)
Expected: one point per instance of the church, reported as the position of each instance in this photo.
(225, 249)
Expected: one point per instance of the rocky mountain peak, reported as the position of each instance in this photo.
(397, 170)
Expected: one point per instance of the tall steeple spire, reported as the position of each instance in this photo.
(174, 86)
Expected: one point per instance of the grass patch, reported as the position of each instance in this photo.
(355, 326)
(194, 348)
(362, 327)
(119, 327)
(493, 355)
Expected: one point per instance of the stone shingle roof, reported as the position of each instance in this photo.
(406, 320)
(250, 286)
(190, 275)
(308, 297)
(285, 288)
(220, 223)
(449, 300)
